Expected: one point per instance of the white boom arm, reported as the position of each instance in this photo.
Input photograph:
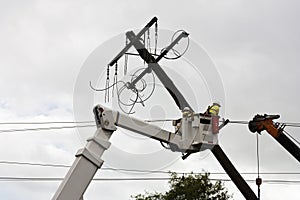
(193, 134)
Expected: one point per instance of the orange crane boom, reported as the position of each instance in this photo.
(265, 122)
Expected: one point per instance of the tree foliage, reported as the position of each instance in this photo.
(191, 187)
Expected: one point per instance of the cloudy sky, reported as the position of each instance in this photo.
(46, 45)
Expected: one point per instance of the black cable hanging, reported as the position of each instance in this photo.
(115, 78)
(156, 37)
(148, 41)
(126, 58)
(148, 44)
(144, 44)
(106, 98)
(258, 179)
(175, 52)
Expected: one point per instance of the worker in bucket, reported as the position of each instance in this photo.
(213, 110)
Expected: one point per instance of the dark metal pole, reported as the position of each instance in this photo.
(289, 145)
(233, 173)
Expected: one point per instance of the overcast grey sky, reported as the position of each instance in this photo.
(44, 44)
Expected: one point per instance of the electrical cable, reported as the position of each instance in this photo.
(292, 137)
(258, 179)
(83, 126)
(115, 78)
(138, 170)
(134, 102)
(145, 84)
(176, 53)
(257, 154)
(47, 179)
(33, 164)
(135, 90)
(238, 122)
(293, 125)
(147, 120)
(106, 88)
(163, 145)
(49, 122)
(234, 122)
(88, 125)
(139, 98)
(42, 179)
(296, 125)
(155, 37)
(126, 57)
(44, 128)
(158, 120)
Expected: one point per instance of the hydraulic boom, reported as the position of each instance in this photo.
(265, 122)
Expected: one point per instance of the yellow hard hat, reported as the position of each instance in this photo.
(217, 103)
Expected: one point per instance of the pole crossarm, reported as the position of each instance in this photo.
(125, 49)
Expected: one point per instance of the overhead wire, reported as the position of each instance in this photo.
(45, 122)
(257, 154)
(44, 128)
(87, 124)
(238, 122)
(293, 125)
(41, 179)
(292, 137)
(107, 87)
(147, 120)
(138, 170)
(92, 125)
(258, 179)
(246, 122)
(33, 164)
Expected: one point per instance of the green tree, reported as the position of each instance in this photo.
(191, 187)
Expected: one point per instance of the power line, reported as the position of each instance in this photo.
(258, 179)
(291, 124)
(292, 137)
(45, 122)
(141, 171)
(47, 179)
(297, 124)
(44, 128)
(91, 121)
(75, 126)
(159, 120)
(238, 122)
(33, 164)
